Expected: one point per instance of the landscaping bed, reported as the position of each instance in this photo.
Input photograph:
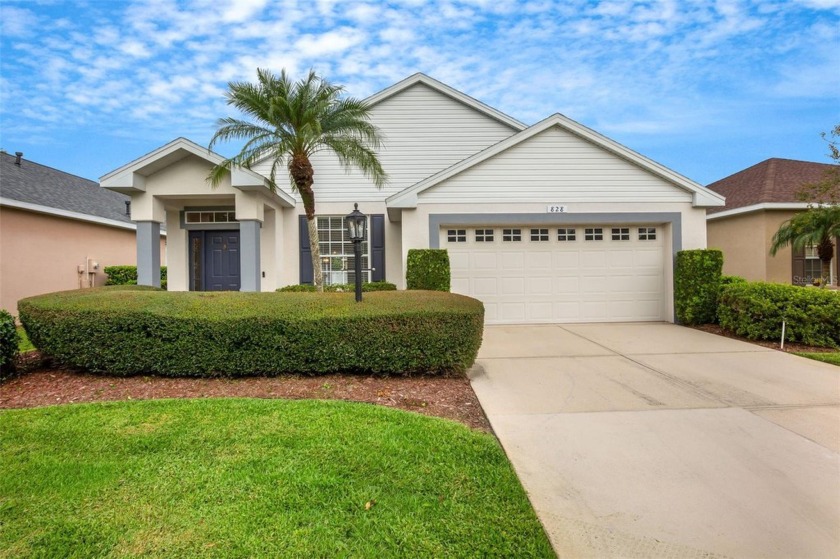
(256, 478)
(446, 397)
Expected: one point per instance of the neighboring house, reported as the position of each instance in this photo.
(57, 231)
(545, 223)
(758, 200)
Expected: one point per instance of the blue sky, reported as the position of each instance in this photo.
(706, 88)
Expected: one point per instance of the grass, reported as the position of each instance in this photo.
(24, 344)
(829, 357)
(256, 478)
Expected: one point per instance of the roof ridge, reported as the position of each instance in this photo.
(33, 162)
(769, 181)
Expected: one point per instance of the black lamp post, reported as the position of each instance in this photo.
(356, 223)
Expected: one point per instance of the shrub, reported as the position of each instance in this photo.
(8, 342)
(697, 276)
(428, 269)
(127, 275)
(125, 331)
(729, 280)
(756, 310)
(340, 287)
(299, 288)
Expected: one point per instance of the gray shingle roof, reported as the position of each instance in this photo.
(38, 184)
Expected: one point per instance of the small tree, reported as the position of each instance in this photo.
(827, 190)
(291, 122)
(817, 226)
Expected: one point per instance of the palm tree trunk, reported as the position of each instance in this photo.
(302, 173)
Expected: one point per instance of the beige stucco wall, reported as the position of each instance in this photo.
(745, 240)
(40, 253)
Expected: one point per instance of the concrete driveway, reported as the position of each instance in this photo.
(654, 440)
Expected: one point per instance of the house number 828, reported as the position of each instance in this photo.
(556, 209)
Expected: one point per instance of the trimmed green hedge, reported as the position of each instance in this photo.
(339, 287)
(127, 275)
(697, 275)
(8, 342)
(428, 269)
(126, 331)
(756, 309)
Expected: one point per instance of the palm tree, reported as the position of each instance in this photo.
(290, 121)
(817, 226)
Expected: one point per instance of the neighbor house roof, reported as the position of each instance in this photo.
(773, 183)
(35, 187)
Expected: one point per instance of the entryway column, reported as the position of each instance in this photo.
(249, 232)
(148, 253)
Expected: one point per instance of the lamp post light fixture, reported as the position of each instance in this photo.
(356, 223)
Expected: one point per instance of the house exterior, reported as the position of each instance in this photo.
(58, 231)
(759, 199)
(545, 223)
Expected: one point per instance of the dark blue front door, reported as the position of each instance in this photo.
(214, 261)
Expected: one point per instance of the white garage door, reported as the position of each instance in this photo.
(581, 273)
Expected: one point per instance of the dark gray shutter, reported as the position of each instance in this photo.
(377, 247)
(306, 274)
(798, 267)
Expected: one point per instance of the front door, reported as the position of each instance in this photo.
(214, 261)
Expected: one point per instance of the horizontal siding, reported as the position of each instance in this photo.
(424, 132)
(555, 166)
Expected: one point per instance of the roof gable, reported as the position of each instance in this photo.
(700, 196)
(773, 181)
(130, 178)
(420, 78)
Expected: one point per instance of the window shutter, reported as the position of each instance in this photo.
(306, 274)
(798, 267)
(377, 247)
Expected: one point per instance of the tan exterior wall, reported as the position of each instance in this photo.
(41, 253)
(745, 240)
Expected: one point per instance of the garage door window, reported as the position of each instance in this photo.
(593, 234)
(539, 235)
(484, 235)
(456, 235)
(621, 234)
(647, 233)
(566, 234)
(511, 235)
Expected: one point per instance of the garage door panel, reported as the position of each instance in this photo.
(485, 261)
(485, 287)
(561, 281)
(539, 286)
(513, 286)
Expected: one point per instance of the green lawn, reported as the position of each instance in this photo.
(23, 340)
(256, 478)
(833, 358)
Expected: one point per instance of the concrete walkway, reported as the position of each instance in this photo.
(654, 440)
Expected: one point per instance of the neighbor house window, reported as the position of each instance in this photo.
(539, 234)
(338, 261)
(456, 235)
(647, 233)
(621, 233)
(565, 234)
(593, 234)
(484, 235)
(813, 264)
(196, 216)
(511, 235)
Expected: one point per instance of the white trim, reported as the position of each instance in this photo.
(759, 207)
(38, 208)
(130, 178)
(448, 91)
(702, 197)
